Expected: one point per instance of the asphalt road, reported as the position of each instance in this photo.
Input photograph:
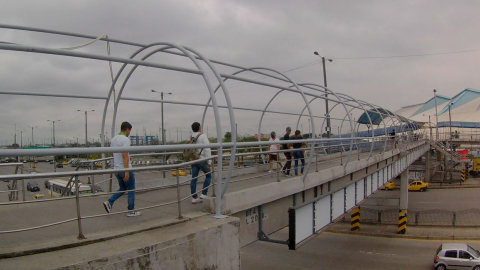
(337, 251)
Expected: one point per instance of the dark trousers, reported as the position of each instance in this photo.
(288, 164)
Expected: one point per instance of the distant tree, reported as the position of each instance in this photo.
(155, 141)
(227, 137)
(15, 145)
(97, 144)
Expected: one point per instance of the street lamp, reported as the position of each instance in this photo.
(53, 121)
(86, 138)
(436, 114)
(33, 142)
(451, 144)
(161, 97)
(326, 93)
(21, 138)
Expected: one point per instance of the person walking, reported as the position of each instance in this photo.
(288, 154)
(298, 154)
(126, 180)
(203, 166)
(273, 147)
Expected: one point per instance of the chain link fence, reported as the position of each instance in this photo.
(433, 217)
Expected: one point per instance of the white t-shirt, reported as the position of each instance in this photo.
(120, 140)
(204, 152)
(274, 147)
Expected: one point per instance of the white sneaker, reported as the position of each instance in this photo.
(197, 200)
(133, 213)
(202, 197)
(270, 171)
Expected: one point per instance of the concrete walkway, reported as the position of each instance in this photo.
(99, 226)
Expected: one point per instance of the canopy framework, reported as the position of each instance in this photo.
(341, 111)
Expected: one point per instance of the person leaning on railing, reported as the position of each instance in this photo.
(298, 154)
(273, 147)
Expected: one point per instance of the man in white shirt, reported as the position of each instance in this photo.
(126, 180)
(204, 166)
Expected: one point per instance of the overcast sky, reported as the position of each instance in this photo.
(371, 44)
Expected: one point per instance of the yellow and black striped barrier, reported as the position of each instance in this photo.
(402, 221)
(464, 175)
(355, 220)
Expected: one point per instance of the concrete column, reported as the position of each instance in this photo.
(404, 190)
(428, 167)
(402, 216)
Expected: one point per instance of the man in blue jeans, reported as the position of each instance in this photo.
(203, 166)
(126, 180)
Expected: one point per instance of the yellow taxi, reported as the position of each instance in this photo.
(39, 196)
(389, 186)
(418, 186)
(64, 163)
(180, 172)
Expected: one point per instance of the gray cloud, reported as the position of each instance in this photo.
(277, 34)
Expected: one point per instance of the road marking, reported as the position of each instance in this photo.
(375, 253)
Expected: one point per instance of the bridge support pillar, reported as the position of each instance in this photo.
(428, 167)
(402, 218)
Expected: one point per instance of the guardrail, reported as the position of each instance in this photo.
(431, 217)
(221, 180)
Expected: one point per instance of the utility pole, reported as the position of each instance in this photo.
(86, 136)
(53, 121)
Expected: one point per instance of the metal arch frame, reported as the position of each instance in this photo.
(227, 97)
(340, 101)
(306, 102)
(384, 126)
(186, 51)
(369, 119)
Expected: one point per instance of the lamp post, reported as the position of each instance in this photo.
(86, 136)
(33, 142)
(53, 121)
(451, 144)
(21, 138)
(326, 94)
(436, 114)
(163, 129)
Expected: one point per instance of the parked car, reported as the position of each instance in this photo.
(51, 161)
(456, 256)
(418, 186)
(389, 186)
(64, 163)
(47, 183)
(33, 186)
(59, 165)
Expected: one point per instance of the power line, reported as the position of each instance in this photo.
(401, 56)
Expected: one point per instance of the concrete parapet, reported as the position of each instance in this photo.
(203, 243)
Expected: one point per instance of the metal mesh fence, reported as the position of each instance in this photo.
(434, 217)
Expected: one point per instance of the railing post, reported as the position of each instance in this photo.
(278, 171)
(178, 196)
(79, 217)
(23, 184)
(110, 183)
(316, 160)
(93, 179)
(213, 178)
(341, 155)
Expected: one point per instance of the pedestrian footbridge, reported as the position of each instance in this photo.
(349, 154)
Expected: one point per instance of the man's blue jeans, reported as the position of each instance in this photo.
(203, 166)
(296, 156)
(128, 185)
